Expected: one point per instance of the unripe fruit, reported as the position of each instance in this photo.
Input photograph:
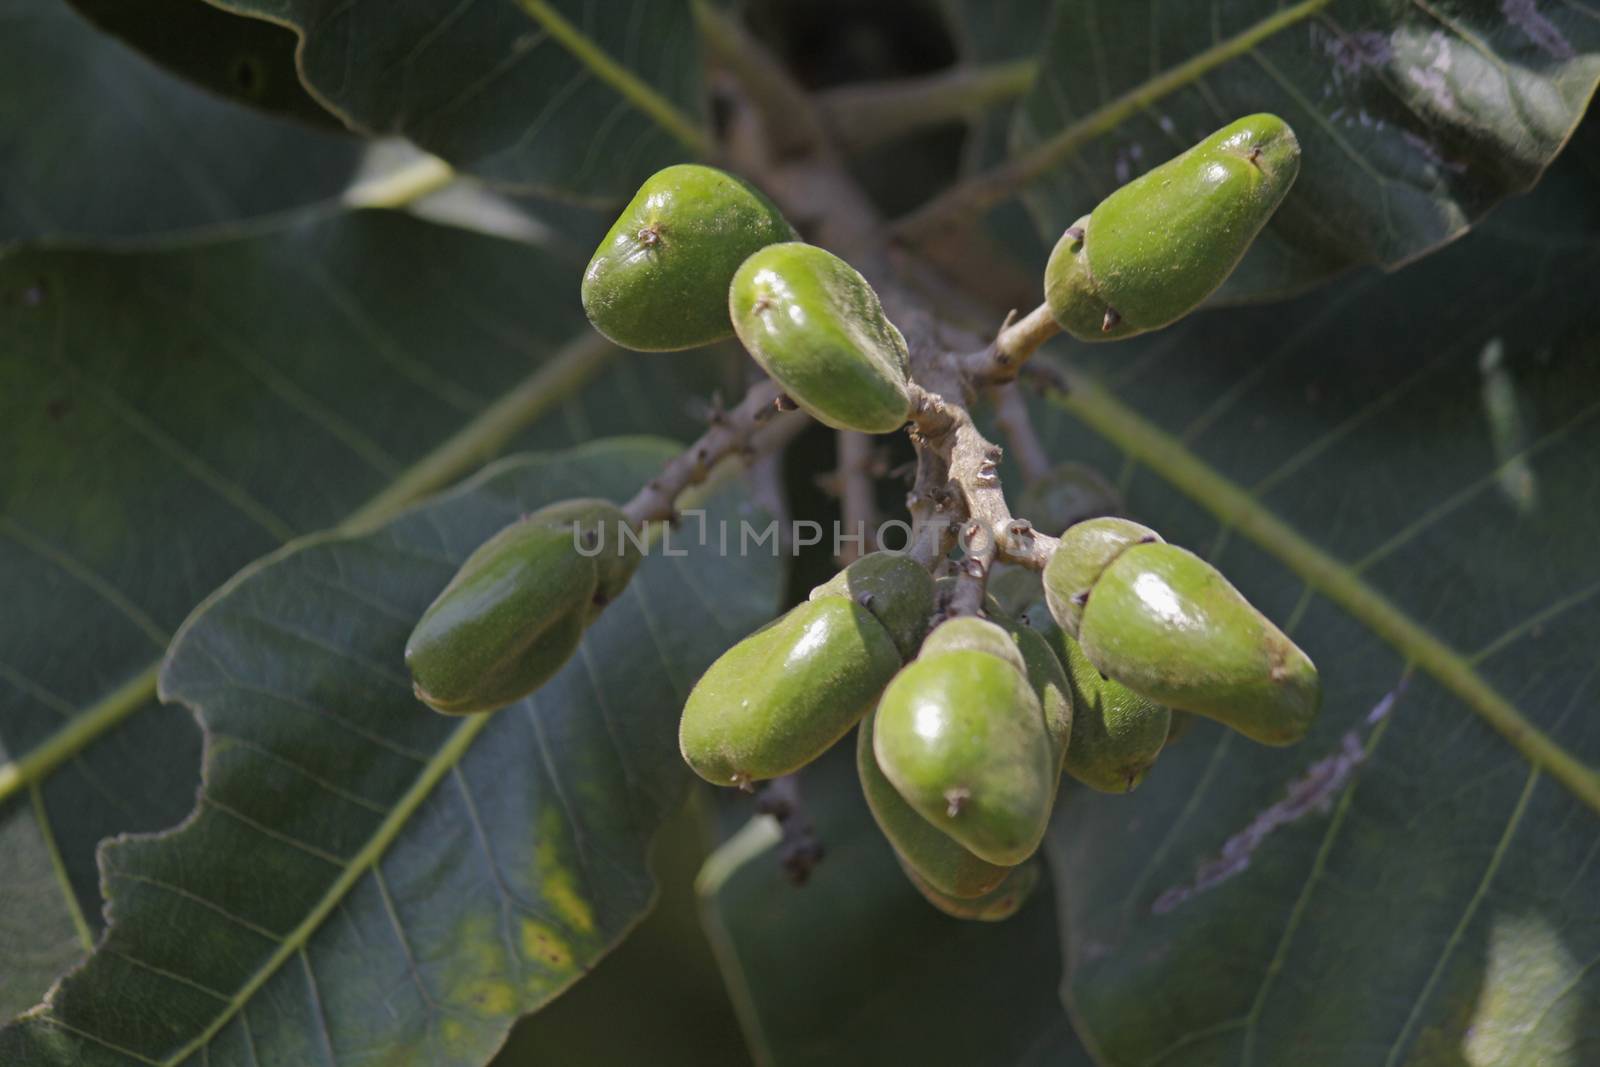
(970, 633)
(516, 609)
(781, 697)
(1068, 494)
(1152, 251)
(659, 281)
(997, 905)
(923, 848)
(1050, 682)
(1116, 733)
(817, 328)
(897, 590)
(1168, 625)
(962, 737)
(1086, 550)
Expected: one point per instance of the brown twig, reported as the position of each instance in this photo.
(777, 135)
(730, 432)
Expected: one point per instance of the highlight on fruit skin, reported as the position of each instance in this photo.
(961, 735)
(515, 611)
(1155, 249)
(784, 695)
(818, 329)
(897, 589)
(659, 279)
(1086, 549)
(922, 848)
(1168, 625)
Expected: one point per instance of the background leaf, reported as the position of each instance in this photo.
(205, 404)
(244, 59)
(556, 96)
(1401, 470)
(1415, 118)
(855, 967)
(97, 143)
(362, 878)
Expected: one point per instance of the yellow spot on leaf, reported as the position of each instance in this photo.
(555, 878)
(544, 945)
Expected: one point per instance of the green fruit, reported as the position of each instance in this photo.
(816, 327)
(1012, 587)
(1116, 733)
(781, 697)
(659, 281)
(970, 633)
(1168, 625)
(922, 847)
(616, 556)
(1050, 683)
(1152, 251)
(999, 904)
(1068, 494)
(1086, 550)
(516, 610)
(895, 588)
(962, 737)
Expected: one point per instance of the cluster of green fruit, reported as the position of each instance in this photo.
(967, 723)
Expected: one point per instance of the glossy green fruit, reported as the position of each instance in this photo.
(1068, 494)
(922, 847)
(962, 737)
(1087, 549)
(970, 633)
(616, 556)
(659, 281)
(1152, 251)
(516, 609)
(1116, 733)
(1050, 682)
(997, 905)
(816, 327)
(897, 590)
(1168, 625)
(781, 697)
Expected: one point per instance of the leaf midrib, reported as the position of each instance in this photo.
(477, 441)
(1235, 507)
(628, 85)
(442, 763)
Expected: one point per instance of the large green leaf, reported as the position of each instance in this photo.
(558, 96)
(96, 142)
(1402, 472)
(244, 59)
(361, 878)
(855, 968)
(1415, 118)
(167, 416)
